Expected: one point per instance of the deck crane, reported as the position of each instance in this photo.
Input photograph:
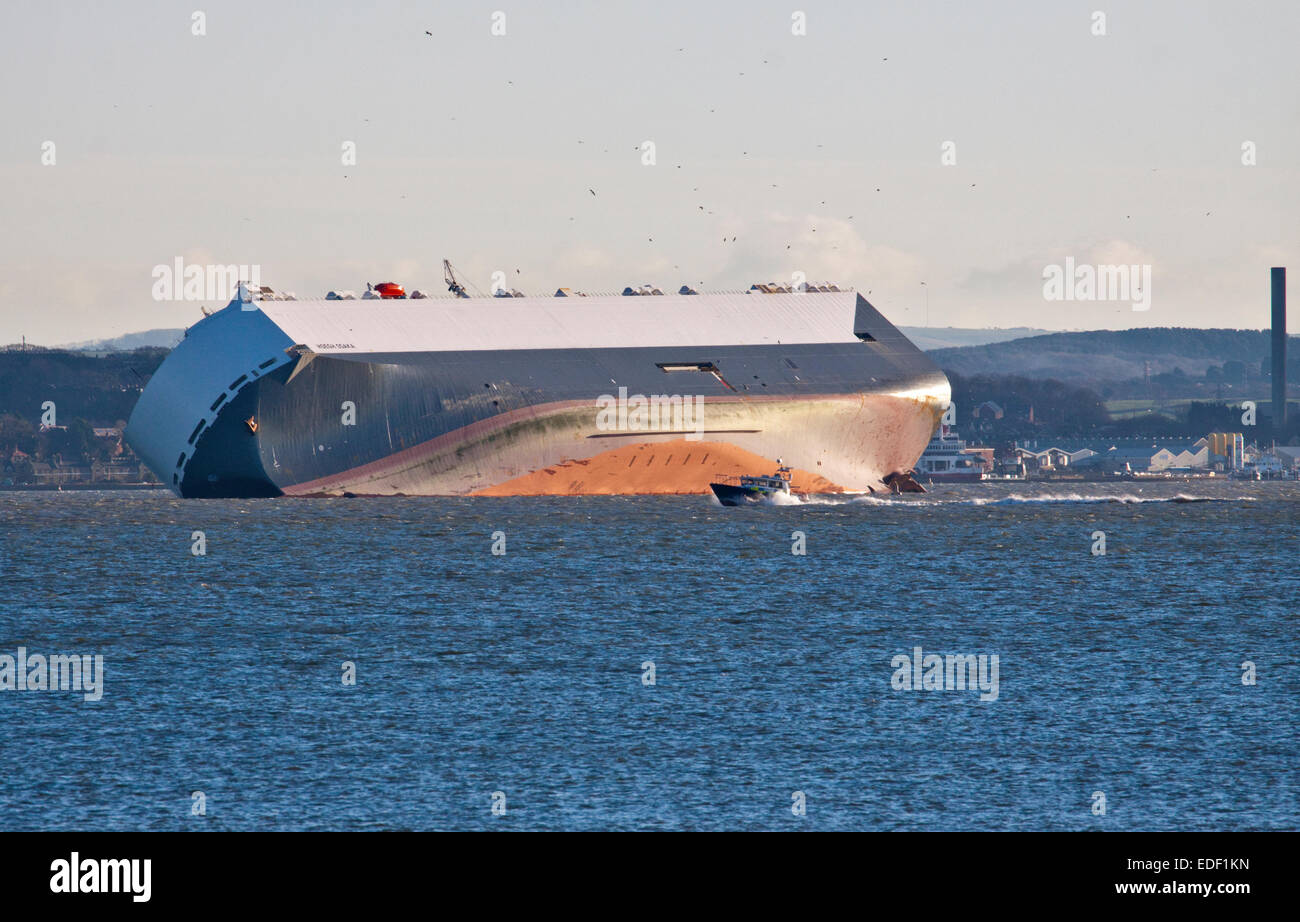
(449, 277)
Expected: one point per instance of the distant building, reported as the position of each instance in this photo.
(1193, 457)
(1009, 467)
(1126, 459)
(1227, 450)
(983, 454)
(1052, 458)
(1142, 457)
(1288, 456)
(988, 410)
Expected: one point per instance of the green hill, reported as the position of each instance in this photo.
(98, 389)
(1115, 356)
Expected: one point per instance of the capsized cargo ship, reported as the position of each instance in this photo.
(389, 395)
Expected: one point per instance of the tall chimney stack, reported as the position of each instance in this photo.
(1279, 349)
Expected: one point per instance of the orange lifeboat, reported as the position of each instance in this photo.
(390, 290)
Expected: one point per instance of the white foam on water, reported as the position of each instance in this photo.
(783, 499)
(1019, 499)
(1123, 498)
(825, 499)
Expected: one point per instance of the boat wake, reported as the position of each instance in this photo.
(1015, 499)
(783, 499)
(1077, 498)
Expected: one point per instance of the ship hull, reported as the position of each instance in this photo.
(307, 421)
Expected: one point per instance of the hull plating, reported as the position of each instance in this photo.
(237, 410)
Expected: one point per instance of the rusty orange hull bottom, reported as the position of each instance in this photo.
(675, 467)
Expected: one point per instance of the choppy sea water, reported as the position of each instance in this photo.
(525, 673)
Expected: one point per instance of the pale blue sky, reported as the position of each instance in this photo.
(226, 148)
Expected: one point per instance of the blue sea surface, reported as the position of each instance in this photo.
(526, 673)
